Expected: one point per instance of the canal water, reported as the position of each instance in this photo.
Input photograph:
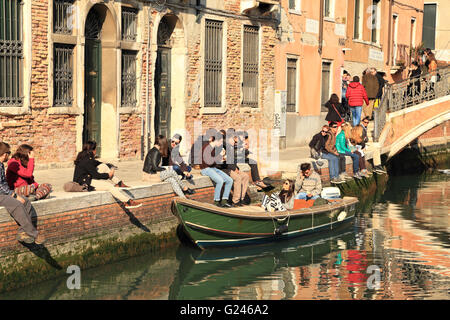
(397, 248)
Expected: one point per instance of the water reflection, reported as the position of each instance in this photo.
(403, 232)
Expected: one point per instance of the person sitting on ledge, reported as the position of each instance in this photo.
(20, 175)
(175, 159)
(208, 166)
(308, 184)
(152, 165)
(18, 208)
(99, 176)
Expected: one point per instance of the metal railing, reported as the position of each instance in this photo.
(410, 92)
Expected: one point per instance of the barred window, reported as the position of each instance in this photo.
(129, 24)
(63, 75)
(251, 66)
(11, 53)
(291, 85)
(128, 79)
(63, 16)
(213, 63)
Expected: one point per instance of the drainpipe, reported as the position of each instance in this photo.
(147, 108)
(388, 62)
(321, 26)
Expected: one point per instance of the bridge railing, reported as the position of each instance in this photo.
(410, 92)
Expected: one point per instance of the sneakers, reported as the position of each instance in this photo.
(366, 172)
(345, 176)
(121, 185)
(357, 176)
(130, 204)
(189, 191)
(379, 170)
(39, 239)
(23, 237)
(337, 180)
(222, 205)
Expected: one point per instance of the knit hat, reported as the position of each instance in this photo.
(177, 136)
(4, 148)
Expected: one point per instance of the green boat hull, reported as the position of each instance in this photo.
(209, 226)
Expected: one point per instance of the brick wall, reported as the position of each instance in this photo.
(61, 227)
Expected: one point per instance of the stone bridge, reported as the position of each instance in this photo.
(414, 110)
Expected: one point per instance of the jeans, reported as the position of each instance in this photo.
(302, 196)
(355, 160)
(356, 115)
(333, 164)
(219, 178)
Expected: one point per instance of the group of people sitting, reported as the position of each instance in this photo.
(218, 154)
(335, 141)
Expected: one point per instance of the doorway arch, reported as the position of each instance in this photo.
(169, 77)
(100, 80)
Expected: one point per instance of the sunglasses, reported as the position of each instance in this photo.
(334, 127)
(324, 131)
(365, 121)
(176, 143)
(286, 183)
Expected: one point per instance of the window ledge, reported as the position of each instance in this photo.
(213, 110)
(64, 110)
(373, 44)
(329, 19)
(128, 110)
(296, 12)
(14, 110)
(129, 45)
(64, 38)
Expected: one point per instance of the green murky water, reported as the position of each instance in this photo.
(397, 248)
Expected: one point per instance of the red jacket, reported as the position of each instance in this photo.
(17, 175)
(356, 95)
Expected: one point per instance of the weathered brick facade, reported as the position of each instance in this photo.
(57, 133)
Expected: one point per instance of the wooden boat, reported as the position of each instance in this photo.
(207, 225)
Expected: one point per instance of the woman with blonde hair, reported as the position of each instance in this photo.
(356, 139)
(343, 148)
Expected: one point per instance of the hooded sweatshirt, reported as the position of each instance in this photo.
(356, 95)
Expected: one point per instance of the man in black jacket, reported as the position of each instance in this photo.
(317, 144)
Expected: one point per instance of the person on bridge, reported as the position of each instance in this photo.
(336, 111)
(356, 96)
(371, 84)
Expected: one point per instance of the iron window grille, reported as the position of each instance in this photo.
(63, 16)
(213, 63)
(11, 53)
(326, 8)
(291, 85)
(128, 89)
(63, 75)
(250, 66)
(357, 19)
(129, 24)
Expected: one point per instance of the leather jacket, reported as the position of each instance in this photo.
(152, 161)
